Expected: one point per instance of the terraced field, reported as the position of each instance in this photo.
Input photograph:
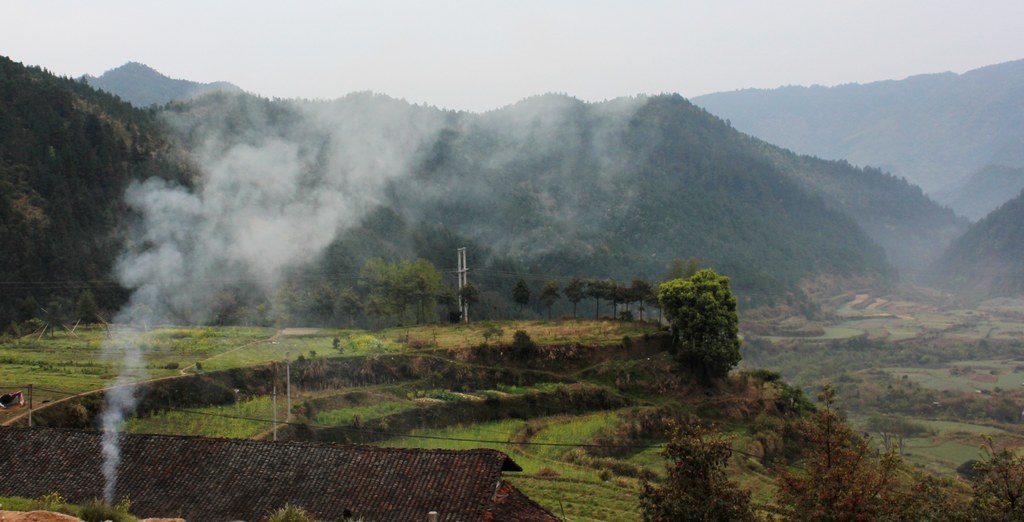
(552, 410)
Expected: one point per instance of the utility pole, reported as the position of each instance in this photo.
(462, 273)
(275, 413)
(29, 405)
(288, 384)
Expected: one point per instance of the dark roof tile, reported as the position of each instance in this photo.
(202, 479)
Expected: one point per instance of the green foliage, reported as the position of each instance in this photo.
(523, 348)
(67, 154)
(394, 290)
(705, 326)
(521, 294)
(895, 430)
(99, 511)
(999, 486)
(290, 513)
(696, 488)
(575, 291)
(549, 294)
(86, 310)
(492, 331)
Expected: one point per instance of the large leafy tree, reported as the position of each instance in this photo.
(393, 289)
(697, 488)
(640, 291)
(549, 294)
(521, 294)
(575, 291)
(705, 326)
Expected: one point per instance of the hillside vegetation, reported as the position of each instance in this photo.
(582, 406)
(67, 154)
(552, 187)
(986, 261)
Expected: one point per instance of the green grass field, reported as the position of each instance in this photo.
(235, 421)
(966, 376)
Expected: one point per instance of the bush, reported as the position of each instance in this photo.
(523, 348)
(289, 513)
(99, 511)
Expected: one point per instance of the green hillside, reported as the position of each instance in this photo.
(556, 188)
(986, 261)
(548, 188)
(67, 153)
(912, 228)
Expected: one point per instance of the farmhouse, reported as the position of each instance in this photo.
(206, 479)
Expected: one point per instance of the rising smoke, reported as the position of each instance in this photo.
(279, 181)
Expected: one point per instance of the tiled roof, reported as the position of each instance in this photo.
(511, 505)
(204, 479)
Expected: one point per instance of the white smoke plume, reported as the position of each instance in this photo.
(279, 181)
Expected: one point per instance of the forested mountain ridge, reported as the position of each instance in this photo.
(142, 86)
(913, 229)
(67, 152)
(986, 260)
(552, 187)
(932, 129)
(548, 188)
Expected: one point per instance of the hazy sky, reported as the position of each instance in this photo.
(479, 55)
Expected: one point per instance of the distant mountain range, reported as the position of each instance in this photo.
(934, 129)
(142, 86)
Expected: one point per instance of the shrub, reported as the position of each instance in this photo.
(99, 511)
(52, 501)
(289, 513)
(523, 347)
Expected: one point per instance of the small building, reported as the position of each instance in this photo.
(206, 479)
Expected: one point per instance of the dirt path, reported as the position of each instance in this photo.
(182, 373)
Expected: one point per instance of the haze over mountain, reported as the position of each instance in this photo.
(142, 86)
(983, 191)
(986, 261)
(550, 187)
(933, 129)
(562, 187)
